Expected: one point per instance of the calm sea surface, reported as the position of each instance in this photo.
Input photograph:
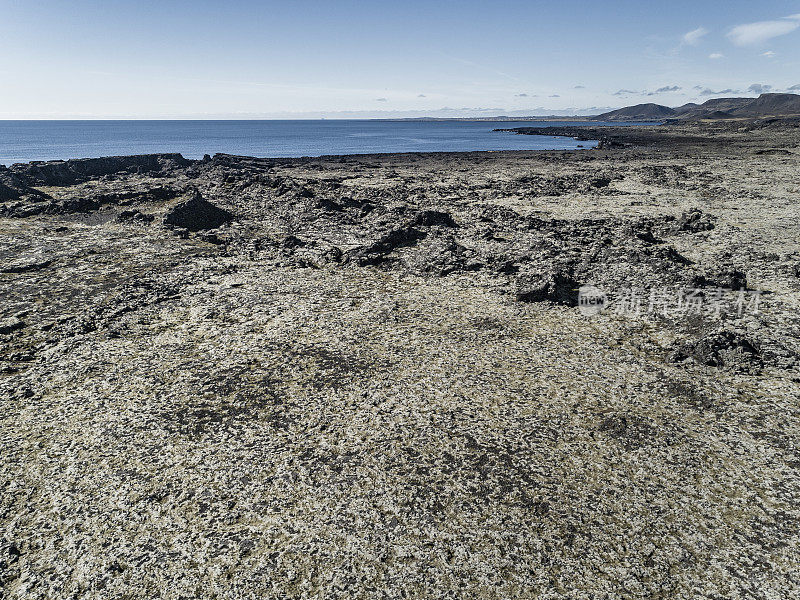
(23, 141)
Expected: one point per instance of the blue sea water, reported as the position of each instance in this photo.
(24, 141)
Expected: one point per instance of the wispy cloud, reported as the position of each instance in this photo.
(710, 92)
(666, 89)
(751, 34)
(769, 54)
(579, 87)
(693, 37)
(381, 99)
(624, 92)
(522, 95)
(716, 55)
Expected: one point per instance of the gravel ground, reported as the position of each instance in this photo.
(369, 376)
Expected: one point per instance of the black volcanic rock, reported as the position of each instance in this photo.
(722, 349)
(67, 172)
(12, 324)
(558, 287)
(433, 217)
(695, 221)
(8, 193)
(12, 187)
(132, 215)
(196, 214)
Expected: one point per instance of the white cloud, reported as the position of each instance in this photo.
(769, 54)
(758, 33)
(716, 55)
(693, 37)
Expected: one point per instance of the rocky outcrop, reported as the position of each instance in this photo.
(132, 215)
(559, 287)
(694, 221)
(12, 324)
(68, 172)
(196, 214)
(722, 349)
(13, 187)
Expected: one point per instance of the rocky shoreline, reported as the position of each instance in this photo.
(365, 376)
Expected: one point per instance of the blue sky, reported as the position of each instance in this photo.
(303, 59)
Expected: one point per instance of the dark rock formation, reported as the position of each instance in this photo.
(429, 218)
(68, 172)
(13, 187)
(7, 192)
(196, 213)
(25, 266)
(558, 286)
(397, 237)
(732, 279)
(12, 324)
(723, 349)
(132, 215)
(694, 221)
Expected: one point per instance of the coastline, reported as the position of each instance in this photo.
(43, 140)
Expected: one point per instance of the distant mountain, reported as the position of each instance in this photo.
(766, 105)
(770, 105)
(724, 104)
(640, 112)
(686, 107)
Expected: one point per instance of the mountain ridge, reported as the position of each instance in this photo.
(765, 105)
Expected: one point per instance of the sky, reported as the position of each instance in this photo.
(356, 59)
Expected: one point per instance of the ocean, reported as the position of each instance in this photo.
(24, 141)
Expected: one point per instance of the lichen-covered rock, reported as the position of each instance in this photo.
(337, 394)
